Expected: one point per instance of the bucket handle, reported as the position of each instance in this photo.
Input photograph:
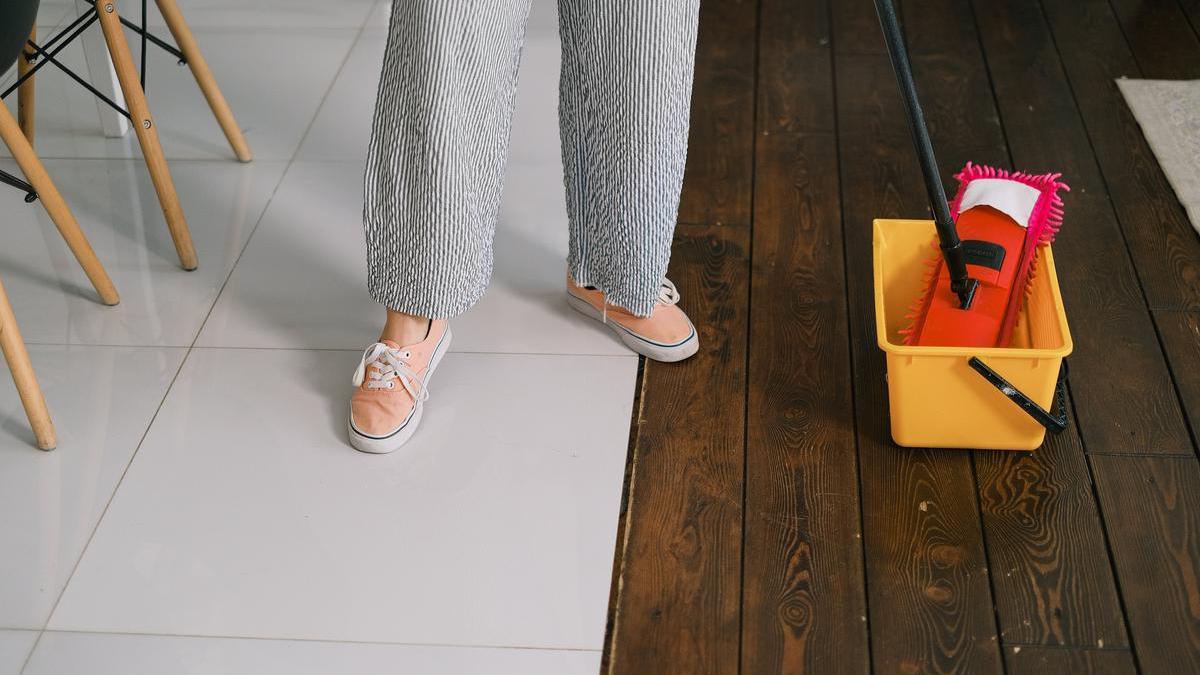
(1053, 423)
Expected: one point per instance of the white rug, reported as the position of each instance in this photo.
(1169, 112)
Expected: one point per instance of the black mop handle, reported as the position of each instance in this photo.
(952, 250)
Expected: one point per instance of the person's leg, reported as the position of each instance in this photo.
(624, 112)
(435, 170)
(624, 108)
(435, 167)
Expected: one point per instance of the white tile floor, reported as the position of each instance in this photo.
(203, 513)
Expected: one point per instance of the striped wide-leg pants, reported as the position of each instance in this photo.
(435, 169)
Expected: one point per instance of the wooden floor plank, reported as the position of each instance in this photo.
(929, 598)
(1165, 45)
(720, 167)
(857, 27)
(1181, 339)
(1192, 9)
(678, 602)
(955, 89)
(1152, 509)
(1135, 410)
(804, 600)
(804, 608)
(1046, 545)
(795, 80)
(1036, 660)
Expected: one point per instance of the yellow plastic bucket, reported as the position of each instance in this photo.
(937, 398)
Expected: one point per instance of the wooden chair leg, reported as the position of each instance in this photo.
(147, 133)
(56, 206)
(26, 105)
(22, 373)
(204, 77)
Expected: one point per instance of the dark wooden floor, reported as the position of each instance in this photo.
(771, 526)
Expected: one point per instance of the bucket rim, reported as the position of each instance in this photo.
(1060, 352)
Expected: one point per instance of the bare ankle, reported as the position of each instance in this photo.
(405, 329)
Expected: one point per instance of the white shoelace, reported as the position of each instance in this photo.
(667, 295)
(386, 365)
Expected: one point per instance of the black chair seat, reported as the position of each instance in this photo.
(17, 18)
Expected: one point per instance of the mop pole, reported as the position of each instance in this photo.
(956, 262)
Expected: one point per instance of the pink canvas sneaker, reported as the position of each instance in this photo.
(392, 386)
(666, 335)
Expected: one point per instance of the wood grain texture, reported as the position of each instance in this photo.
(804, 599)
(857, 27)
(955, 89)
(804, 607)
(929, 597)
(1137, 411)
(1180, 333)
(1049, 562)
(1037, 660)
(1165, 45)
(1152, 511)
(28, 390)
(1164, 246)
(720, 168)
(795, 78)
(1192, 9)
(930, 605)
(677, 608)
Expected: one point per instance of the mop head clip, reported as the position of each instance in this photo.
(1003, 219)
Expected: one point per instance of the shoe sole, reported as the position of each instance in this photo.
(394, 441)
(647, 348)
